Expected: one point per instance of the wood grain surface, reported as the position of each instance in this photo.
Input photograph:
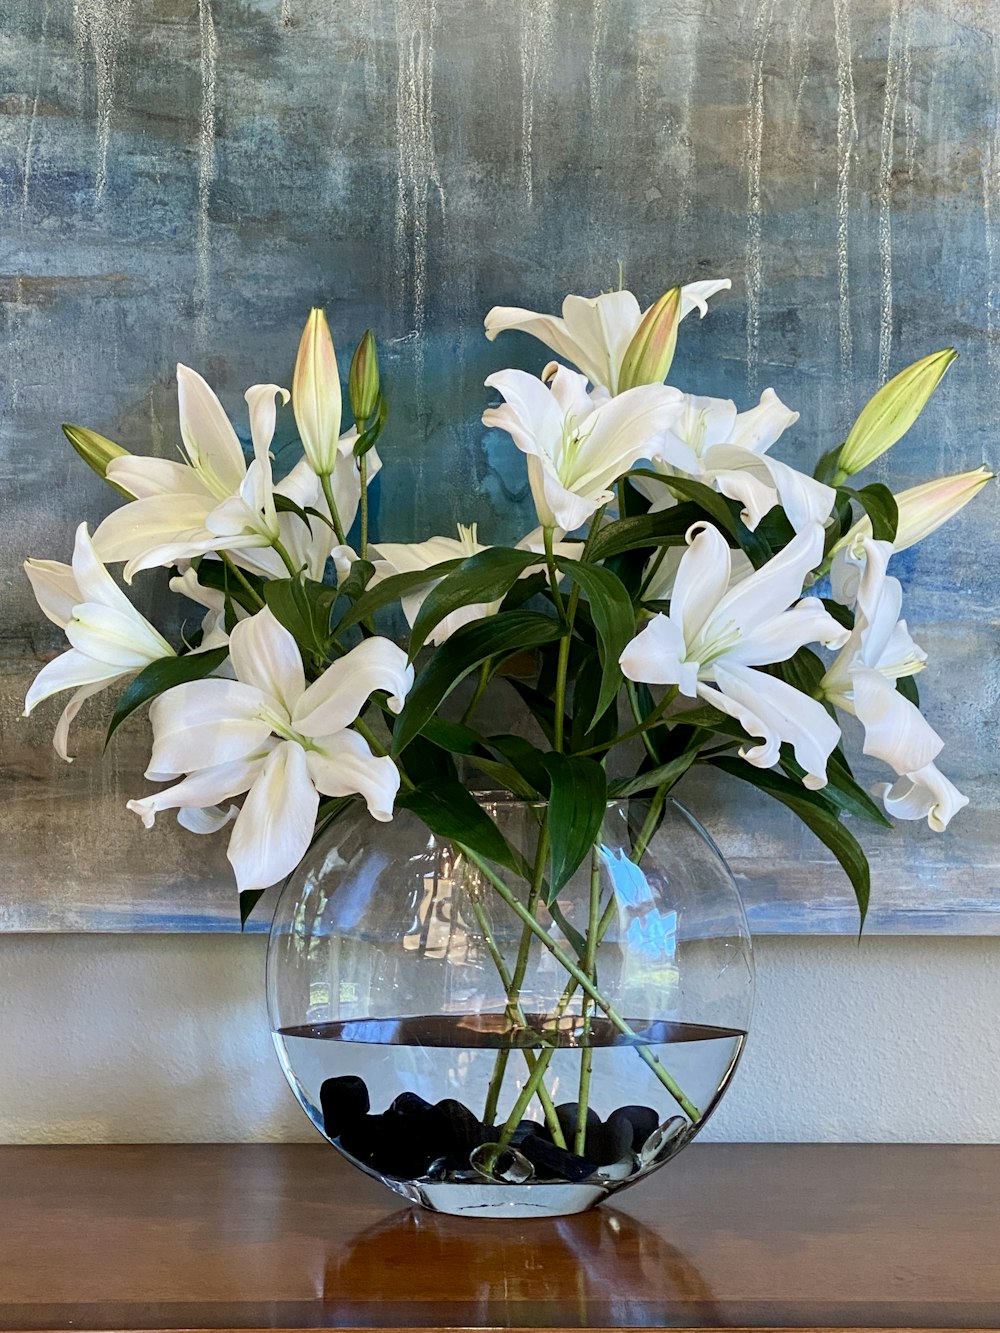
(267, 1236)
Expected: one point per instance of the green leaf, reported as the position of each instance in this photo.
(505, 775)
(393, 589)
(498, 636)
(577, 802)
(907, 687)
(453, 736)
(450, 812)
(667, 528)
(843, 615)
(485, 577)
(841, 793)
(303, 606)
(614, 620)
(879, 504)
(826, 469)
(428, 764)
(218, 576)
(526, 758)
(664, 775)
(726, 514)
(357, 580)
(524, 590)
(249, 899)
(162, 675)
(810, 808)
(284, 505)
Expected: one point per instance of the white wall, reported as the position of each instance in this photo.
(163, 1037)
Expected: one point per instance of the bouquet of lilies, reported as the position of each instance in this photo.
(685, 591)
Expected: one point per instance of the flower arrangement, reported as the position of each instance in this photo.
(682, 578)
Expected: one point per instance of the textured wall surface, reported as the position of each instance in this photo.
(131, 1038)
(182, 179)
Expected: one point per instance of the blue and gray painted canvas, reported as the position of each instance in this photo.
(182, 179)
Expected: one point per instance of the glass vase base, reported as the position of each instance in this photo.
(540, 1199)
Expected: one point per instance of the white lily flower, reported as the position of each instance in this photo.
(718, 631)
(862, 681)
(712, 442)
(408, 557)
(269, 734)
(594, 333)
(577, 446)
(109, 639)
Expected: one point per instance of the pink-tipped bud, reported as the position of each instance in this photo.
(650, 354)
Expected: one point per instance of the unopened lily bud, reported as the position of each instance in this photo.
(891, 412)
(650, 354)
(923, 509)
(316, 397)
(363, 379)
(96, 451)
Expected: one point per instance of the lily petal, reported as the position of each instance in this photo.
(275, 827)
(656, 657)
(68, 671)
(264, 654)
(895, 730)
(776, 712)
(345, 764)
(217, 783)
(924, 794)
(144, 477)
(55, 588)
(60, 740)
(335, 700)
(702, 579)
(218, 721)
(211, 444)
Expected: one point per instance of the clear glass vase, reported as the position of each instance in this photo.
(485, 1048)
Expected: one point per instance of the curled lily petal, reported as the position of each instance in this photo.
(213, 784)
(344, 764)
(925, 794)
(895, 729)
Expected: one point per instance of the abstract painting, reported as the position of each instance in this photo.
(180, 180)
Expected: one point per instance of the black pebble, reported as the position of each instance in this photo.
(526, 1127)
(609, 1142)
(344, 1101)
(410, 1103)
(463, 1131)
(566, 1114)
(545, 1156)
(642, 1119)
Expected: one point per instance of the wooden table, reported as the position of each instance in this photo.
(260, 1236)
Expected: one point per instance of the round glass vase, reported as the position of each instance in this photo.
(486, 1047)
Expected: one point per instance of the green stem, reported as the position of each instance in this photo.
(517, 1016)
(550, 562)
(478, 692)
(563, 959)
(637, 714)
(657, 561)
(533, 1085)
(590, 967)
(289, 563)
(363, 474)
(332, 506)
(648, 722)
(241, 579)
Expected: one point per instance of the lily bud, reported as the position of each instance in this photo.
(96, 451)
(316, 397)
(363, 379)
(923, 509)
(891, 412)
(650, 354)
